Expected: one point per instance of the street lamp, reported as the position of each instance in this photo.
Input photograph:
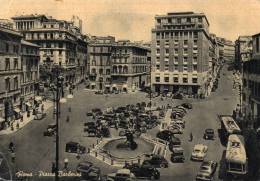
(59, 94)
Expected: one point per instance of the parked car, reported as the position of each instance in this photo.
(121, 175)
(93, 174)
(84, 165)
(49, 132)
(199, 152)
(156, 161)
(174, 143)
(39, 116)
(177, 96)
(89, 113)
(165, 135)
(177, 155)
(74, 147)
(187, 105)
(209, 134)
(145, 171)
(207, 170)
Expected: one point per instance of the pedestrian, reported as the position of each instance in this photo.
(42, 107)
(66, 163)
(69, 109)
(53, 167)
(13, 156)
(68, 119)
(11, 146)
(191, 136)
(21, 118)
(17, 125)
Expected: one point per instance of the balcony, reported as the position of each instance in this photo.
(12, 71)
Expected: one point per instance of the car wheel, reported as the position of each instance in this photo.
(163, 165)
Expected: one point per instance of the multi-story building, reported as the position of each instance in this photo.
(10, 73)
(251, 85)
(229, 51)
(221, 49)
(30, 59)
(180, 53)
(60, 41)
(243, 50)
(129, 66)
(100, 49)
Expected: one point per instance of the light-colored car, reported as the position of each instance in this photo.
(199, 152)
(122, 174)
(39, 116)
(207, 170)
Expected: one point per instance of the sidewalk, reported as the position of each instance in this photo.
(26, 120)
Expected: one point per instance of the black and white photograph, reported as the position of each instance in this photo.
(129, 90)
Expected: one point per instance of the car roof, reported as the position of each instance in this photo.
(123, 171)
(209, 130)
(199, 146)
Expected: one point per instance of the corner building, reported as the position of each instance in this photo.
(180, 53)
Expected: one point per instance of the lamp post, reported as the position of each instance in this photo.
(58, 90)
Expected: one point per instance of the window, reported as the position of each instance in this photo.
(7, 64)
(188, 20)
(195, 34)
(158, 51)
(194, 80)
(179, 20)
(159, 21)
(15, 83)
(185, 51)
(6, 47)
(185, 80)
(176, 67)
(157, 79)
(93, 71)
(60, 52)
(195, 42)
(157, 67)
(200, 19)
(185, 42)
(175, 50)
(15, 63)
(100, 71)
(94, 62)
(185, 68)
(166, 79)
(175, 79)
(185, 60)
(51, 36)
(108, 71)
(166, 67)
(45, 35)
(195, 59)
(166, 51)
(158, 43)
(44, 26)
(157, 59)
(176, 60)
(7, 84)
(166, 42)
(195, 67)
(52, 26)
(60, 45)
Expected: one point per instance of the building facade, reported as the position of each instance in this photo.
(10, 74)
(100, 50)
(60, 41)
(243, 50)
(30, 59)
(129, 66)
(251, 85)
(180, 53)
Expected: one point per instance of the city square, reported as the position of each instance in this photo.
(124, 91)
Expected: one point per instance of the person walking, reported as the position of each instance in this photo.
(66, 163)
(191, 136)
(13, 157)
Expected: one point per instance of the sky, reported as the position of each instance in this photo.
(134, 19)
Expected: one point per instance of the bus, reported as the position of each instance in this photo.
(236, 159)
(229, 126)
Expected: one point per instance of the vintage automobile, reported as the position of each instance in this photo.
(209, 134)
(187, 105)
(199, 152)
(177, 155)
(156, 161)
(207, 170)
(93, 173)
(175, 143)
(84, 165)
(50, 130)
(144, 171)
(165, 135)
(74, 147)
(39, 116)
(122, 175)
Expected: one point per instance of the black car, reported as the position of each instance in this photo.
(49, 132)
(174, 143)
(156, 161)
(209, 134)
(74, 147)
(187, 105)
(177, 155)
(144, 171)
(177, 96)
(93, 174)
(165, 135)
(104, 132)
(90, 114)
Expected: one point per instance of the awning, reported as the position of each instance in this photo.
(38, 98)
(185, 75)
(28, 104)
(2, 120)
(92, 83)
(125, 86)
(114, 85)
(17, 110)
(175, 75)
(107, 85)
